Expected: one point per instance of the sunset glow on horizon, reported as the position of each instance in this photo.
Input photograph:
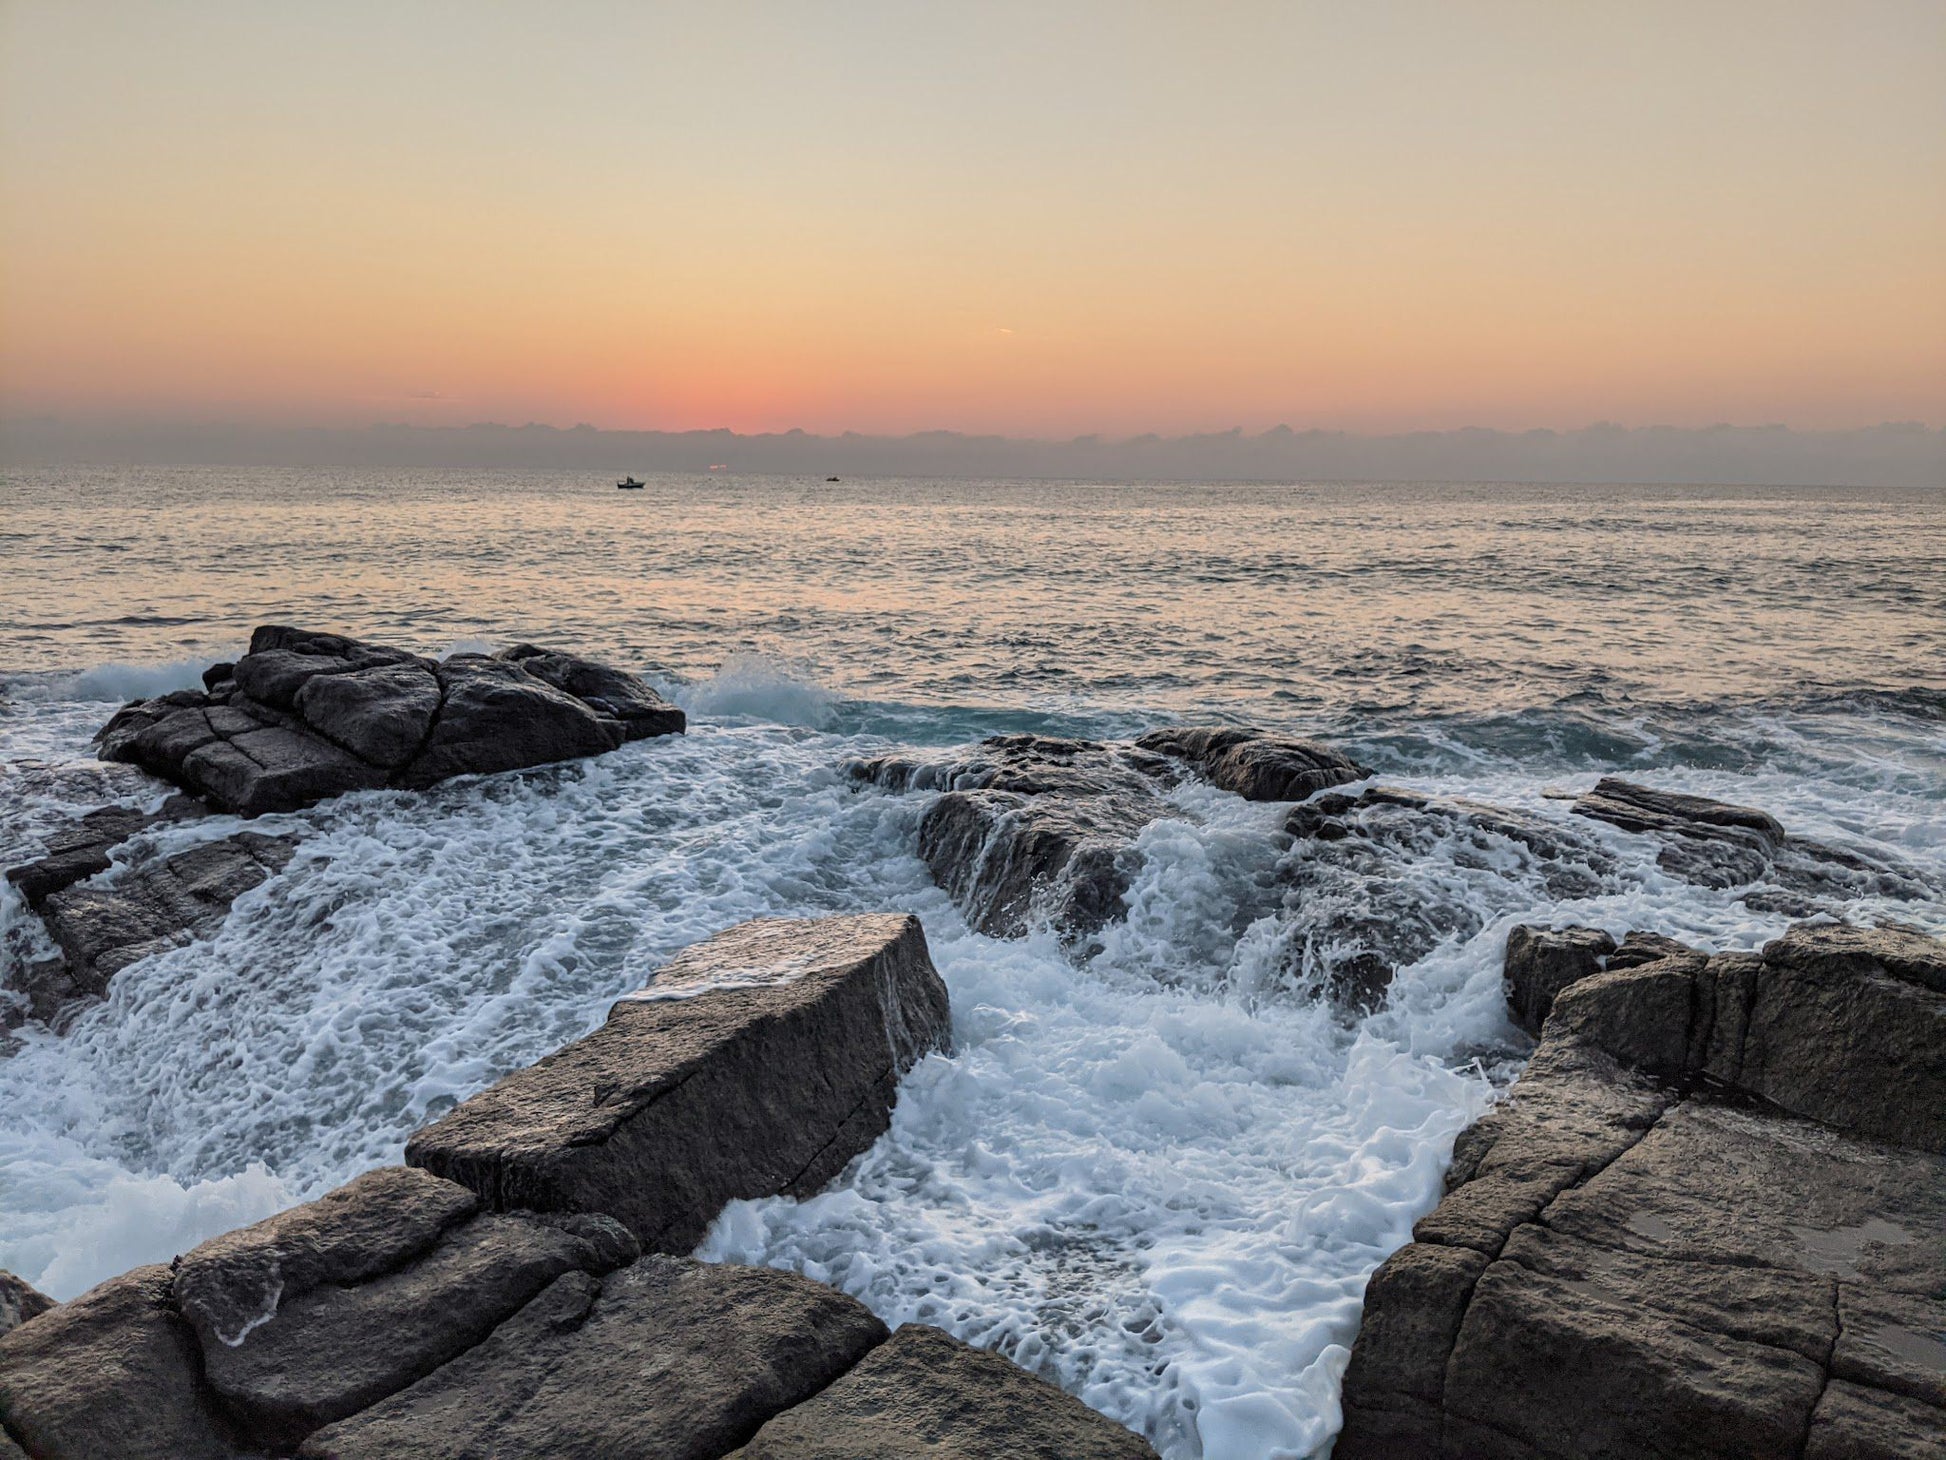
(1018, 219)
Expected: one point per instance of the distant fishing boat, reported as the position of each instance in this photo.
(831, 479)
(629, 484)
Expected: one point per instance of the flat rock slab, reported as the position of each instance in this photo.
(305, 716)
(80, 851)
(667, 1359)
(925, 1394)
(758, 1063)
(101, 927)
(1623, 1269)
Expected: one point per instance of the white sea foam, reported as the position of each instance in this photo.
(761, 687)
(114, 683)
(1157, 1176)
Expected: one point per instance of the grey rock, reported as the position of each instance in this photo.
(1255, 765)
(1376, 881)
(305, 716)
(1541, 962)
(1638, 948)
(642, 712)
(19, 1301)
(1719, 844)
(757, 1063)
(1032, 828)
(80, 851)
(335, 1349)
(101, 927)
(112, 1375)
(373, 1224)
(1653, 1268)
(923, 1393)
(668, 1359)
(1855, 1422)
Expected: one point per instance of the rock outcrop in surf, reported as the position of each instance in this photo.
(1038, 828)
(1710, 1220)
(408, 1313)
(302, 717)
(305, 715)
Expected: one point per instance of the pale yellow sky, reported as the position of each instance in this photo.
(1027, 218)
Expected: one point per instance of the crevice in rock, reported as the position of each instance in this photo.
(1830, 1357)
(891, 1074)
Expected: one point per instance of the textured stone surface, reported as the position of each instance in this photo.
(1255, 765)
(306, 715)
(1543, 961)
(925, 1394)
(19, 1301)
(101, 927)
(757, 1063)
(1719, 844)
(80, 851)
(665, 1360)
(112, 1375)
(1621, 1269)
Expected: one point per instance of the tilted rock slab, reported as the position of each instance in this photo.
(304, 716)
(758, 1063)
(1632, 1266)
(1720, 844)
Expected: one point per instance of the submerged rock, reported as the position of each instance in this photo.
(1375, 882)
(83, 849)
(1747, 1261)
(304, 716)
(1719, 844)
(1033, 828)
(756, 1064)
(924, 1393)
(19, 1301)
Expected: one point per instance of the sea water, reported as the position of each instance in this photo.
(1158, 1172)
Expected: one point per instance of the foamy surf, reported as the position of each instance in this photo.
(1160, 1175)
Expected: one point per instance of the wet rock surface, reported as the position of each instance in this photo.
(757, 1063)
(101, 927)
(1033, 828)
(1719, 844)
(304, 716)
(924, 1393)
(19, 1301)
(1710, 1221)
(398, 1315)
(1376, 881)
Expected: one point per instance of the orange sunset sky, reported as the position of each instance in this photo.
(1037, 219)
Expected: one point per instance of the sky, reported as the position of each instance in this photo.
(1030, 219)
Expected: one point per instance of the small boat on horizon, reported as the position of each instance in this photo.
(629, 484)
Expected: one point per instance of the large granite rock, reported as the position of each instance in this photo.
(305, 715)
(925, 1394)
(112, 1375)
(1376, 881)
(1632, 1266)
(1719, 844)
(1540, 962)
(757, 1063)
(668, 1359)
(1034, 829)
(19, 1301)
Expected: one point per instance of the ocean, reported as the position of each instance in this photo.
(1158, 1171)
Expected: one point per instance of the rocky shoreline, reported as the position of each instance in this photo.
(1710, 1220)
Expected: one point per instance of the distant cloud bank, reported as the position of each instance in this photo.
(1896, 455)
